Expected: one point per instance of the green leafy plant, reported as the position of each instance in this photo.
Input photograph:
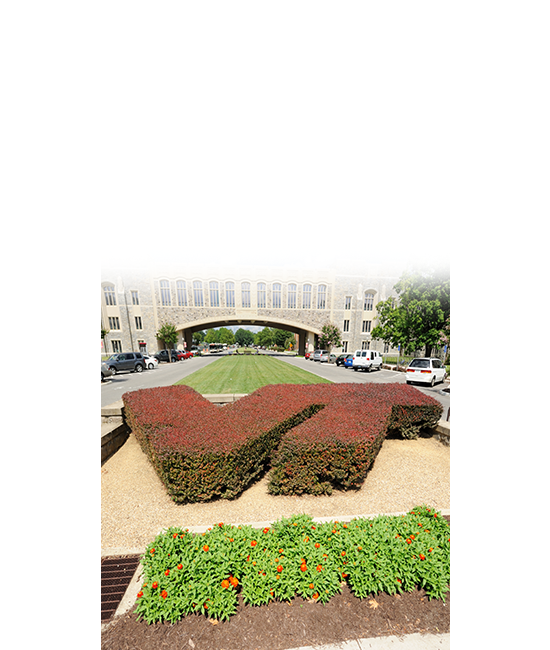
(187, 573)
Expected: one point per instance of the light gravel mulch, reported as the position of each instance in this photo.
(135, 506)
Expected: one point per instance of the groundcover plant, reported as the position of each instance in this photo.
(187, 573)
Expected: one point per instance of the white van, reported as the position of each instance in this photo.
(367, 360)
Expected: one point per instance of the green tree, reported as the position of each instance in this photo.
(212, 336)
(226, 336)
(282, 337)
(168, 335)
(198, 337)
(264, 337)
(244, 337)
(330, 337)
(420, 316)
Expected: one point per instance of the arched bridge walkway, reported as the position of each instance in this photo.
(306, 336)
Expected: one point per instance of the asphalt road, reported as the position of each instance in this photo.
(165, 374)
(169, 373)
(339, 374)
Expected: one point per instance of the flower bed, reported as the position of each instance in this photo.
(187, 573)
(319, 436)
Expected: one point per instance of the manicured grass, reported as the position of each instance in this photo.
(244, 374)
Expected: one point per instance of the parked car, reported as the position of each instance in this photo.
(348, 363)
(367, 360)
(187, 354)
(308, 355)
(426, 370)
(105, 371)
(323, 356)
(150, 362)
(162, 355)
(317, 354)
(340, 361)
(131, 361)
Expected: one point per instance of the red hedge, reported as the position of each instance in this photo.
(320, 435)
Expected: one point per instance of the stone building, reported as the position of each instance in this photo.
(134, 305)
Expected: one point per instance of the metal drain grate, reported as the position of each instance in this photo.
(116, 574)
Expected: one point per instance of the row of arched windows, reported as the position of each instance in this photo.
(231, 290)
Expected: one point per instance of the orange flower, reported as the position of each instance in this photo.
(317, 545)
(315, 595)
(279, 568)
(233, 581)
(253, 542)
(205, 548)
(303, 567)
(155, 585)
(225, 584)
(140, 594)
(163, 593)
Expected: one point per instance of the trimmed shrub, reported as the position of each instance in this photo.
(318, 436)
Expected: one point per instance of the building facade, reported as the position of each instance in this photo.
(135, 305)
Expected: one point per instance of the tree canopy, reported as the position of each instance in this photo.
(244, 337)
(420, 316)
(330, 337)
(221, 335)
(168, 334)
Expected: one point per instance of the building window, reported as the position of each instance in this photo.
(347, 304)
(346, 326)
(117, 346)
(165, 298)
(277, 296)
(245, 294)
(181, 288)
(109, 293)
(321, 296)
(197, 293)
(214, 295)
(139, 325)
(365, 345)
(135, 298)
(366, 326)
(369, 300)
(344, 346)
(306, 298)
(114, 323)
(292, 296)
(230, 294)
(261, 295)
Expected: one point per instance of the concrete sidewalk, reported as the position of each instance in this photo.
(406, 642)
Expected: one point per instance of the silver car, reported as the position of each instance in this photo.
(105, 371)
(317, 354)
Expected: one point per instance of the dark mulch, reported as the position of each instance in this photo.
(279, 625)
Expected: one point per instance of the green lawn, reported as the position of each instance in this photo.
(244, 374)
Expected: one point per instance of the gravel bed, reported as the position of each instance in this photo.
(135, 506)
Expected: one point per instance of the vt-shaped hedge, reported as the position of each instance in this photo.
(316, 436)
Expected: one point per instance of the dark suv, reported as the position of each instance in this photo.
(132, 361)
(163, 355)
